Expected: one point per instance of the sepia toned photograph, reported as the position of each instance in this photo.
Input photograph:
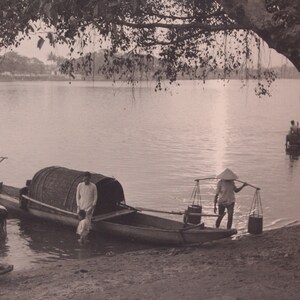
(150, 149)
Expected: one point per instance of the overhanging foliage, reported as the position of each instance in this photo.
(189, 37)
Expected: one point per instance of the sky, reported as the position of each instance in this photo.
(29, 48)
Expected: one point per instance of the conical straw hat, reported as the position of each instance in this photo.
(227, 174)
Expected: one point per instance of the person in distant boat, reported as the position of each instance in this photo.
(225, 196)
(294, 128)
(3, 217)
(83, 227)
(86, 196)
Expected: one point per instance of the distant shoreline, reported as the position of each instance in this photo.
(60, 78)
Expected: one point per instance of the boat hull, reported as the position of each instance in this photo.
(292, 141)
(162, 236)
(136, 226)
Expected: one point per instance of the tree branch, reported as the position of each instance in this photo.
(194, 25)
(281, 34)
(154, 42)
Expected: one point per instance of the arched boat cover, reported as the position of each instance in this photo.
(57, 187)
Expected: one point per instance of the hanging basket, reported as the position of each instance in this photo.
(190, 216)
(193, 213)
(255, 224)
(255, 220)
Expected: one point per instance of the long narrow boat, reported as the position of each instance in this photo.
(292, 141)
(48, 194)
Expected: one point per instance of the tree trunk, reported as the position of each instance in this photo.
(276, 22)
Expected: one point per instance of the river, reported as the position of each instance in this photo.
(155, 143)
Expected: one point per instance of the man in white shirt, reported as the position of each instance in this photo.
(86, 196)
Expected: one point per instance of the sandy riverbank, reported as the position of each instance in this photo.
(266, 266)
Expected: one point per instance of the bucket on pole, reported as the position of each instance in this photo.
(195, 208)
(255, 221)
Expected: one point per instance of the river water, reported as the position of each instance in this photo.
(155, 143)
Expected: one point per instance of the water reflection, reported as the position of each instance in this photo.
(55, 240)
(155, 145)
(4, 248)
(293, 154)
(220, 133)
(42, 241)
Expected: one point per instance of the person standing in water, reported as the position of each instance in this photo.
(83, 227)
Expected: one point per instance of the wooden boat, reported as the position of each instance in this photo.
(292, 141)
(122, 221)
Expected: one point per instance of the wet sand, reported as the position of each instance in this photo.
(265, 266)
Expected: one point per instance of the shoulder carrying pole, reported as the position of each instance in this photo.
(214, 178)
(255, 187)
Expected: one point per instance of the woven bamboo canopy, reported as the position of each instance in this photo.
(57, 187)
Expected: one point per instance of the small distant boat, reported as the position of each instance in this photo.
(292, 141)
(50, 195)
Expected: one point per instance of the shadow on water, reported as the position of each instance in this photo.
(4, 248)
(293, 154)
(37, 241)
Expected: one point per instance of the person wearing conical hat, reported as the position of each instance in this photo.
(225, 196)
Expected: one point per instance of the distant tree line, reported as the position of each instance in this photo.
(94, 68)
(14, 63)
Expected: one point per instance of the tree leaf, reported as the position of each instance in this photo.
(40, 42)
(31, 28)
(51, 38)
